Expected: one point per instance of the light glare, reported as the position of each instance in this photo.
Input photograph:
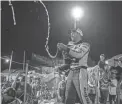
(7, 60)
(77, 12)
(106, 62)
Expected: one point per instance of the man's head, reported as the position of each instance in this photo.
(22, 80)
(102, 57)
(113, 72)
(63, 77)
(113, 75)
(76, 35)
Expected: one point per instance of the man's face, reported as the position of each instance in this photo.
(63, 77)
(113, 75)
(22, 81)
(75, 37)
(102, 58)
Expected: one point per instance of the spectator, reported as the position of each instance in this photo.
(92, 88)
(104, 84)
(61, 89)
(113, 87)
(8, 95)
(19, 87)
(101, 63)
(120, 89)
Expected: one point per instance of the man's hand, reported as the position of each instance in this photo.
(62, 47)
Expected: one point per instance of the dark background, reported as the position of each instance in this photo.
(101, 25)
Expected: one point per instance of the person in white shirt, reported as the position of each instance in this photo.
(113, 87)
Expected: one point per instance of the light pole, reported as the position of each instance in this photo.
(77, 13)
(10, 65)
(10, 61)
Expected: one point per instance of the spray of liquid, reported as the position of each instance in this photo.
(12, 12)
(47, 39)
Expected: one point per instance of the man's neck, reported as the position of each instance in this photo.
(102, 60)
(78, 42)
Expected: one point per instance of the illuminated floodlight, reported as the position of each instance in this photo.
(77, 13)
(7, 60)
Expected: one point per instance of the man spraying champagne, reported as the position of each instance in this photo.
(77, 52)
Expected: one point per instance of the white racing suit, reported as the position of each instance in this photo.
(77, 81)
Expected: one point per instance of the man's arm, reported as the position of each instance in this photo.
(78, 52)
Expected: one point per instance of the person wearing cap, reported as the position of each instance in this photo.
(77, 53)
(112, 86)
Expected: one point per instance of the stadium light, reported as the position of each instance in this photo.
(77, 13)
(7, 60)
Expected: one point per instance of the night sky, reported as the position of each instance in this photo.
(101, 25)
